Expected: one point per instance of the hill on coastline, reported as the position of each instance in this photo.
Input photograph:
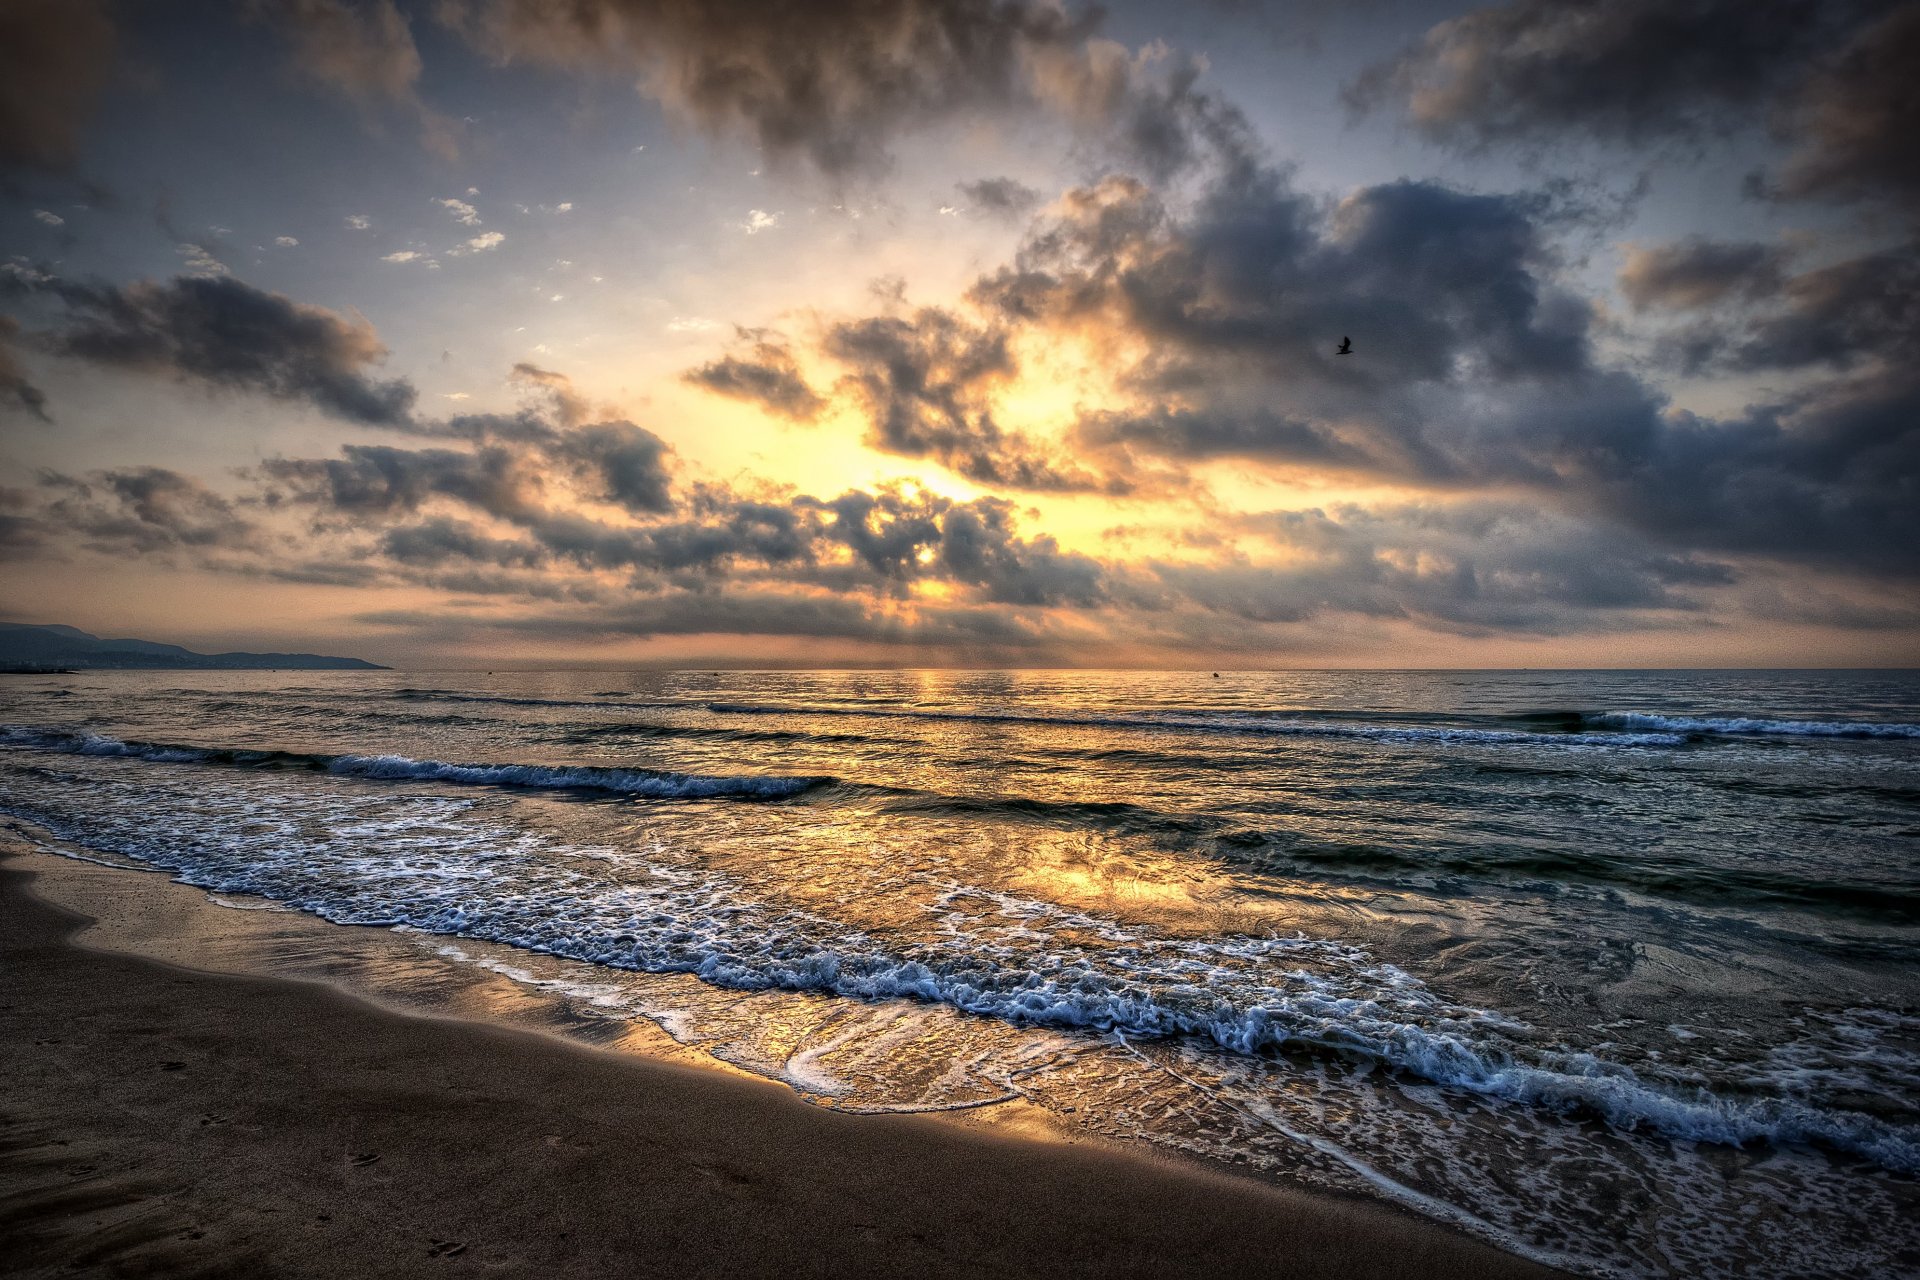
(31, 646)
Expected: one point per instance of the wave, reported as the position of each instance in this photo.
(1285, 724)
(1747, 726)
(600, 701)
(1532, 728)
(658, 784)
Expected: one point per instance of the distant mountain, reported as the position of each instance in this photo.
(26, 645)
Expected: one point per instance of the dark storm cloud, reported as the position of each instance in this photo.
(381, 480)
(16, 393)
(1698, 272)
(55, 60)
(1239, 303)
(1830, 78)
(141, 510)
(1474, 568)
(1860, 313)
(442, 540)
(612, 461)
(1633, 70)
(1843, 314)
(219, 331)
(1200, 433)
(925, 383)
(1829, 471)
(624, 464)
(765, 373)
(1860, 118)
(978, 546)
(1000, 197)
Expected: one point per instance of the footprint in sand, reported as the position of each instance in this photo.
(445, 1248)
(364, 1158)
(173, 1066)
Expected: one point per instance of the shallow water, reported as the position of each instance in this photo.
(1615, 968)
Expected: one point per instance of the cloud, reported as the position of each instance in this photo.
(1852, 314)
(570, 407)
(480, 243)
(831, 82)
(521, 468)
(1827, 77)
(623, 464)
(893, 565)
(1627, 70)
(221, 332)
(766, 374)
(1145, 105)
(382, 480)
(363, 49)
(834, 83)
(1858, 120)
(462, 211)
(143, 510)
(199, 261)
(16, 393)
(56, 58)
(358, 222)
(926, 384)
(1000, 197)
(1698, 272)
(759, 220)
(49, 218)
(1471, 568)
(443, 540)
(1476, 367)
(286, 242)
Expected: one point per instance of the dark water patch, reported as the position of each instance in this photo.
(646, 783)
(1673, 879)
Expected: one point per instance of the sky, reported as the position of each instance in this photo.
(976, 333)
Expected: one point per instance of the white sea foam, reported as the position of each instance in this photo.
(1742, 726)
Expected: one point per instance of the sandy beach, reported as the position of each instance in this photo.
(166, 1121)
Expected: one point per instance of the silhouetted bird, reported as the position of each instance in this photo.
(1346, 347)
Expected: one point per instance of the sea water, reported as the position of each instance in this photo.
(1617, 969)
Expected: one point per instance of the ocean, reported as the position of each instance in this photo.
(1617, 969)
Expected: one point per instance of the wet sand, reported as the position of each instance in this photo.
(158, 1121)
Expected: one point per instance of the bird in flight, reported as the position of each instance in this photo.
(1346, 347)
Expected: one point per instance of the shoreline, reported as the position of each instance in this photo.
(163, 1119)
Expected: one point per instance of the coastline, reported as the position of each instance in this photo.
(163, 1119)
